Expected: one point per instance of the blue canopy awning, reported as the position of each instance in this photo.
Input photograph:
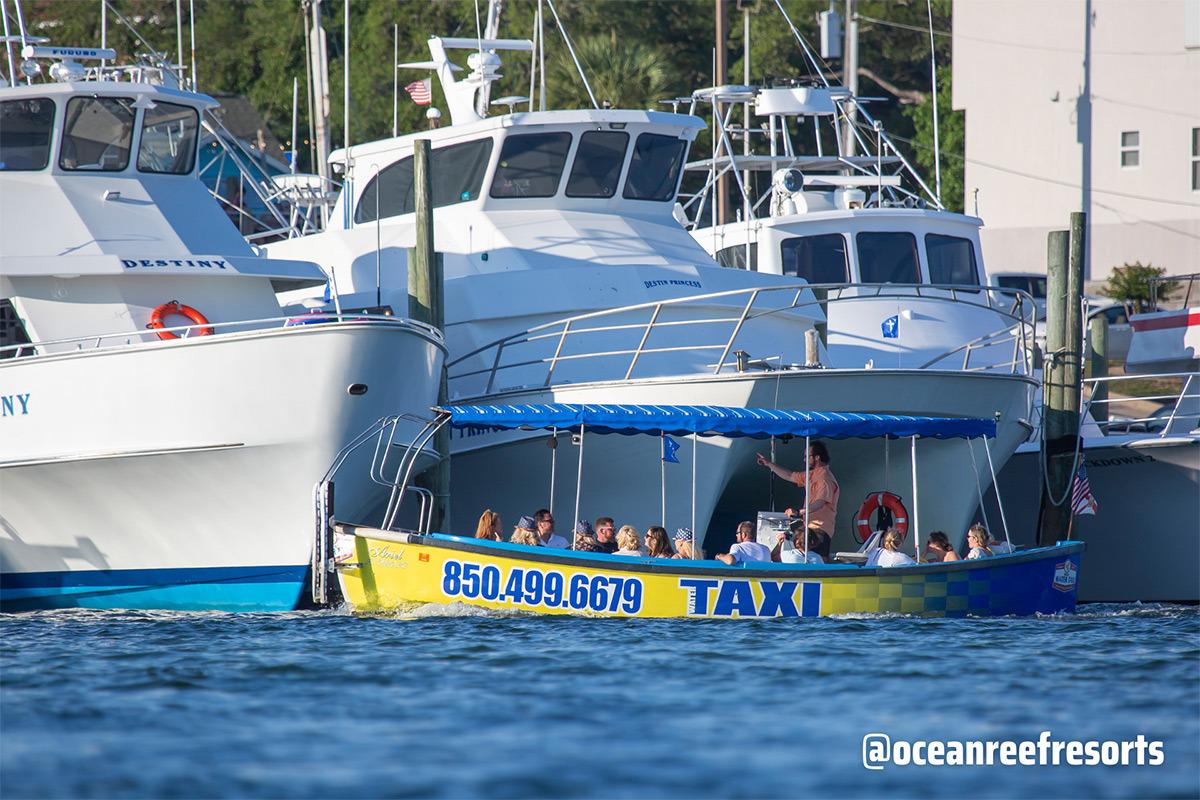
(759, 423)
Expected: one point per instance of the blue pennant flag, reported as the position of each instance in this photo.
(891, 327)
(670, 448)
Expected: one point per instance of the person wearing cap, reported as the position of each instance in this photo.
(606, 534)
(685, 542)
(745, 549)
(585, 538)
(545, 530)
(525, 532)
(818, 481)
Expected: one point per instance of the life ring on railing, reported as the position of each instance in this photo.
(175, 307)
(874, 502)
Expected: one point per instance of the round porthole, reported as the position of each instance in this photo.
(357, 389)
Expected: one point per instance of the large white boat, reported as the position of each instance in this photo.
(569, 278)
(162, 421)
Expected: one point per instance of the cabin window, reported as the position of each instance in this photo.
(168, 139)
(951, 260)
(654, 169)
(97, 133)
(735, 257)
(1035, 286)
(817, 259)
(888, 258)
(531, 165)
(26, 127)
(457, 173)
(597, 166)
(12, 330)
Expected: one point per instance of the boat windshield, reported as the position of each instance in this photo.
(168, 139)
(531, 165)
(817, 259)
(97, 134)
(459, 169)
(888, 258)
(951, 260)
(598, 162)
(26, 127)
(654, 170)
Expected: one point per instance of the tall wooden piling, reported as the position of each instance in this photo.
(425, 303)
(1061, 375)
(1098, 365)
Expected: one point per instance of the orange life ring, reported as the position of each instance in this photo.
(874, 502)
(175, 307)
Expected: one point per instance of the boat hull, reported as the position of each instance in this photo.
(183, 477)
(390, 572)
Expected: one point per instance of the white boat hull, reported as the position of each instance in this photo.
(182, 477)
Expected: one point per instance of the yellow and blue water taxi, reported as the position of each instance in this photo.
(381, 569)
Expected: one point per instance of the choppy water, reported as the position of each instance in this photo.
(124, 704)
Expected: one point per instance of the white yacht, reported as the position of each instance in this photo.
(162, 421)
(569, 278)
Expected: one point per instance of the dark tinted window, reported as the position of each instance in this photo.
(168, 139)
(817, 259)
(951, 260)
(12, 330)
(654, 170)
(455, 171)
(25, 129)
(97, 134)
(888, 258)
(531, 164)
(597, 164)
(735, 256)
(1036, 287)
(1117, 316)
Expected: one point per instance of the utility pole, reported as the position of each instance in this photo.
(720, 79)
(1061, 376)
(320, 90)
(850, 73)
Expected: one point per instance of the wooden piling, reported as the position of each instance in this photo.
(1098, 365)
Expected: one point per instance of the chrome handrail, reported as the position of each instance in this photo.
(1190, 390)
(1018, 306)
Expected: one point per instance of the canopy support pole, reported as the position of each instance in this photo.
(578, 484)
(553, 466)
(694, 490)
(807, 492)
(978, 485)
(916, 504)
(887, 463)
(999, 501)
(662, 474)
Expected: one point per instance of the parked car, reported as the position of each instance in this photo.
(1031, 282)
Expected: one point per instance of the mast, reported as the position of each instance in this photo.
(319, 69)
(850, 76)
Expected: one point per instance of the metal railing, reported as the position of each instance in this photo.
(1174, 406)
(1018, 307)
(117, 339)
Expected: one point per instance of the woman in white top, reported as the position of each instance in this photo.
(629, 542)
(890, 555)
(791, 554)
(977, 540)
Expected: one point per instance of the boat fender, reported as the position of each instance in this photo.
(874, 502)
(175, 307)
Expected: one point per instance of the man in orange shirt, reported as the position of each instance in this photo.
(822, 487)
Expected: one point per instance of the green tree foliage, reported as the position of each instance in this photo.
(1130, 284)
(630, 76)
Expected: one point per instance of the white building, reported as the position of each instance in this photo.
(1062, 119)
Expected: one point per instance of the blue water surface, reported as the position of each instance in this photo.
(455, 703)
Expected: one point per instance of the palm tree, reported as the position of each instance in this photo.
(630, 75)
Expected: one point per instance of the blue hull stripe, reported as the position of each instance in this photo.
(266, 588)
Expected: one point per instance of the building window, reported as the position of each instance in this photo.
(1131, 148)
(1196, 159)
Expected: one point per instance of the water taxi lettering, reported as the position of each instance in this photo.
(14, 405)
(672, 282)
(206, 263)
(710, 597)
(552, 589)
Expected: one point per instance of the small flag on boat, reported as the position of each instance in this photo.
(670, 448)
(421, 92)
(1082, 500)
(891, 327)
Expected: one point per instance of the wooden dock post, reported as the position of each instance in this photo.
(1098, 365)
(1061, 375)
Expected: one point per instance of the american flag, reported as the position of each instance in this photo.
(421, 92)
(1082, 501)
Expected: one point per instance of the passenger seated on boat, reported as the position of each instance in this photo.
(745, 549)
(545, 530)
(890, 555)
(789, 553)
(524, 533)
(606, 534)
(585, 538)
(999, 548)
(629, 542)
(939, 549)
(657, 543)
(977, 541)
(489, 526)
(684, 543)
